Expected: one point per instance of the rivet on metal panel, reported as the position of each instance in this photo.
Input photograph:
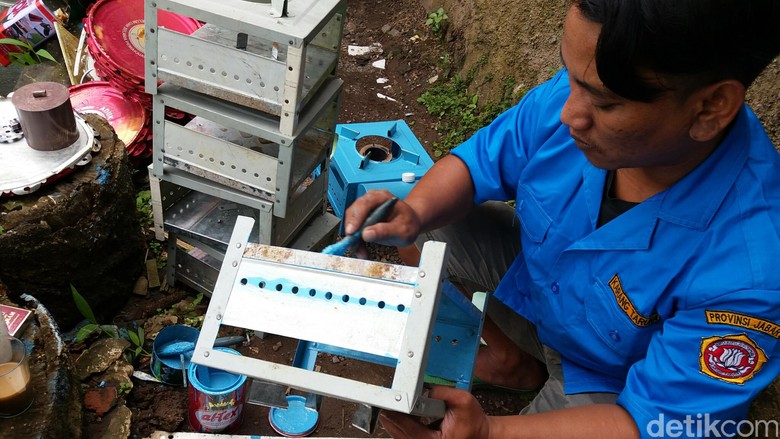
(238, 245)
(235, 263)
(219, 316)
(206, 354)
(410, 354)
(398, 398)
(417, 294)
(422, 273)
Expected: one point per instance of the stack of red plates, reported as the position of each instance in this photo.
(116, 40)
(130, 120)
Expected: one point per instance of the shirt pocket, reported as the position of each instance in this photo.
(612, 322)
(533, 219)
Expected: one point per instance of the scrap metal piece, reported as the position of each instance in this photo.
(365, 418)
(267, 394)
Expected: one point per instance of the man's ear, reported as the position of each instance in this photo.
(716, 106)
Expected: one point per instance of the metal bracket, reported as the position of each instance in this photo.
(370, 311)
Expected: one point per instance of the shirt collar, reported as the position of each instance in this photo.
(693, 201)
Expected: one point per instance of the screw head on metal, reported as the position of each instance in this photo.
(398, 398)
(219, 316)
(422, 273)
(235, 263)
(410, 354)
(417, 294)
(206, 353)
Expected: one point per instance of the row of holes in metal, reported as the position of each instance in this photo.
(328, 295)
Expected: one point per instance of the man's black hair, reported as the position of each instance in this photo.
(696, 42)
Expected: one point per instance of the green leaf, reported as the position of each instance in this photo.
(133, 337)
(109, 331)
(24, 58)
(85, 331)
(138, 351)
(82, 305)
(140, 333)
(45, 54)
(15, 42)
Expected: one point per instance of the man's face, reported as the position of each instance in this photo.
(611, 131)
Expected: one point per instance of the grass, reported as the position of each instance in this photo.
(460, 112)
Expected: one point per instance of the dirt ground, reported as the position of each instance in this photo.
(413, 56)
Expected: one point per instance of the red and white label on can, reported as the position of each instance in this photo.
(216, 413)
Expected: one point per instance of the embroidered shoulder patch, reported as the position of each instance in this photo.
(743, 321)
(731, 358)
(625, 304)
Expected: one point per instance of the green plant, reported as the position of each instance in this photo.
(436, 20)
(137, 348)
(460, 113)
(136, 338)
(143, 205)
(191, 316)
(28, 56)
(125, 388)
(86, 311)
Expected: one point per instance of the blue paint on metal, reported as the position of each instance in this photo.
(285, 286)
(353, 174)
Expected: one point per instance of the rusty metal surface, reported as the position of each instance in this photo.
(360, 267)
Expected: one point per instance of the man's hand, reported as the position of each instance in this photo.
(399, 229)
(464, 418)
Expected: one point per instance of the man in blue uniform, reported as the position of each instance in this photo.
(637, 277)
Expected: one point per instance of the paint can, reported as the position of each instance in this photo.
(169, 369)
(216, 398)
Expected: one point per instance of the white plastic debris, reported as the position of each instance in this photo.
(380, 64)
(355, 50)
(381, 96)
(358, 50)
(382, 80)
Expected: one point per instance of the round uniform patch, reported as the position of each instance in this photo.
(731, 358)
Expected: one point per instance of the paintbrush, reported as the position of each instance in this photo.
(376, 216)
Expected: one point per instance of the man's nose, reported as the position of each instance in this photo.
(576, 113)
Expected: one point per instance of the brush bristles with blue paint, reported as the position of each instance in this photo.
(378, 215)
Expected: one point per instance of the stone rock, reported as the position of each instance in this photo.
(83, 231)
(155, 324)
(100, 356)
(101, 400)
(115, 425)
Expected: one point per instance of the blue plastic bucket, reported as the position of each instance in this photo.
(169, 369)
(216, 398)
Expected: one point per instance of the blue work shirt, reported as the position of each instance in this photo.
(675, 304)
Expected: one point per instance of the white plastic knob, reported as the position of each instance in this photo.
(408, 177)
